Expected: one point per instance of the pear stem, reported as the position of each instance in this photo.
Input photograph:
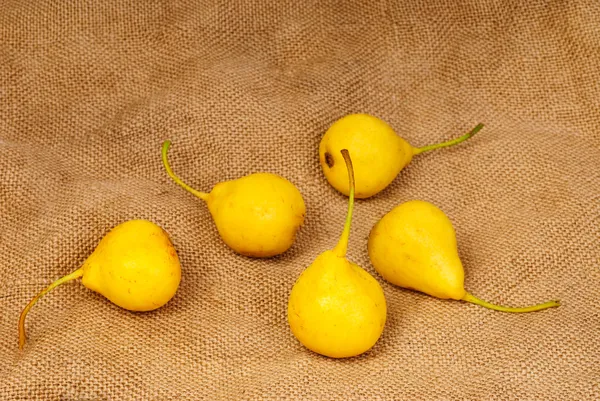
(22, 337)
(342, 245)
(460, 139)
(165, 149)
(474, 300)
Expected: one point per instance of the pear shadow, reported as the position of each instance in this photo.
(373, 353)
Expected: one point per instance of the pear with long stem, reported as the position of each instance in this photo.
(414, 246)
(257, 215)
(336, 308)
(379, 154)
(135, 266)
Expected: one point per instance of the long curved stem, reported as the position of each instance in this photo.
(22, 337)
(342, 245)
(460, 139)
(474, 300)
(165, 149)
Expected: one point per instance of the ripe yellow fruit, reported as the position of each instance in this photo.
(336, 308)
(257, 215)
(378, 153)
(414, 246)
(135, 266)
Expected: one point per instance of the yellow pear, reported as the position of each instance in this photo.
(378, 153)
(336, 308)
(257, 215)
(135, 266)
(414, 246)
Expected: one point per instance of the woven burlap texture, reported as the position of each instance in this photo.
(90, 89)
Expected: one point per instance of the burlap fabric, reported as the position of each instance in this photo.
(90, 89)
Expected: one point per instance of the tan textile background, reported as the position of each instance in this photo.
(90, 89)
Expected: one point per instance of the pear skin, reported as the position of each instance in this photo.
(378, 153)
(135, 266)
(414, 246)
(336, 308)
(257, 215)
